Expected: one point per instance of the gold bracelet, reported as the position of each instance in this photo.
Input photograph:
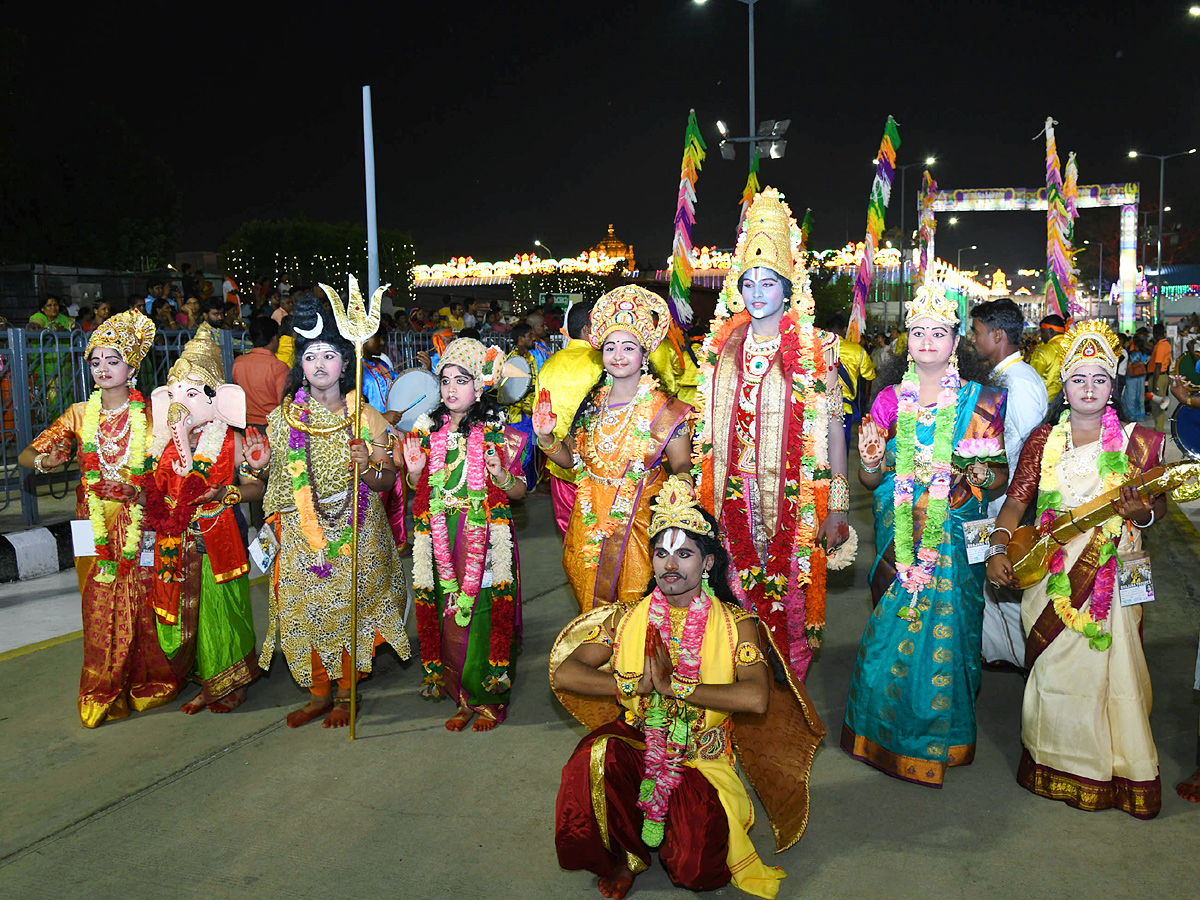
(508, 484)
(408, 480)
(552, 449)
(232, 496)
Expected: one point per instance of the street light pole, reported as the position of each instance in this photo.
(960, 252)
(752, 132)
(1162, 169)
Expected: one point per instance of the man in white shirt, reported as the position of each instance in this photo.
(997, 327)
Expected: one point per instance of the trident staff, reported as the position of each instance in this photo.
(356, 323)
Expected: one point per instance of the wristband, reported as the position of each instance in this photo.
(682, 689)
(996, 550)
(1148, 524)
(870, 468)
(996, 528)
(839, 494)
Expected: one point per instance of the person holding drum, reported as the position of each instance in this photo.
(627, 437)
(1085, 720)
(463, 462)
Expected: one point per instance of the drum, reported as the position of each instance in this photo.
(1185, 429)
(413, 394)
(515, 381)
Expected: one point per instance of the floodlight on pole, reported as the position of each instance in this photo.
(723, 128)
(538, 243)
(960, 253)
(1162, 168)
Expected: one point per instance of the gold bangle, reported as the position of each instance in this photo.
(232, 496)
(552, 449)
(508, 484)
(408, 480)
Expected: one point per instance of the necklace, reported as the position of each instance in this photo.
(757, 356)
(117, 411)
(917, 555)
(608, 427)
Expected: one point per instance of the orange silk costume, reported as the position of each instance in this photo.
(123, 666)
(620, 570)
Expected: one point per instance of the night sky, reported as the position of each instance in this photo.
(496, 124)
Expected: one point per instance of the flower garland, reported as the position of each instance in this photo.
(460, 602)
(1113, 465)
(634, 445)
(788, 592)
(666, 728)
(487, 507)
(915, 570)
(297, 469)
(107, 567)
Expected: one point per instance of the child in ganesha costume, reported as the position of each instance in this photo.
(688, 668)
(202, 470)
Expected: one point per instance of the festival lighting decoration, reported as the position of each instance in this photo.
(752, 188)
(881, 192)
(927, 224)
(463, 271)
(1057, 228)
(685, 218)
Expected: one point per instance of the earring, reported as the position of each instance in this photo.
(133, 382)
(954, 360)
(645, 364)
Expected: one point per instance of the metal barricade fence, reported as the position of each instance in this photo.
(41, 374)
(402, 347)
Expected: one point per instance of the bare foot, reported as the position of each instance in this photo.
(617, 884)
(1189, 789)
(459, 720)
(484, 723)
(339, 716)
(229, 702)
(193, 706)
(318, 704)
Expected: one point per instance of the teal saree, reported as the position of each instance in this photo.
(911, 708)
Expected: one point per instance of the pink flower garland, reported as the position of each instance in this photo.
(460, 601)
(666, 734)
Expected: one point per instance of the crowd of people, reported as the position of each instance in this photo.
(702, 495)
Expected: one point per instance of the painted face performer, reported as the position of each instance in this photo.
(312, 454)
(769, 443)
(690, 674)
(465, 466)
(201, 594)
(123, 666)
(911, 710)
(1085, 722)
(625, 434)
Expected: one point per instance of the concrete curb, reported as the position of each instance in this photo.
(36, 552)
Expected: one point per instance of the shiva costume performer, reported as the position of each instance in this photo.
(911, 709)
(1085, 720)
(767, 414)
(307, 503)
(201, 594)
(610, 811)
(620, 461)
(123, 666)
(466, 571)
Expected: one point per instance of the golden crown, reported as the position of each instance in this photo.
(634, 309)
(129, 333)
(200, 361)
(1090, 342)
(770, 237)
(675, 507)
(930, 302)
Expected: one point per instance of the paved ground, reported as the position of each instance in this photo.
(242, 806)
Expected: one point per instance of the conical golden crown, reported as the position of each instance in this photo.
(1090, 342)
(129, 333)
(766, 238)
(930, 302)
(200, 361)
(675, 507)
